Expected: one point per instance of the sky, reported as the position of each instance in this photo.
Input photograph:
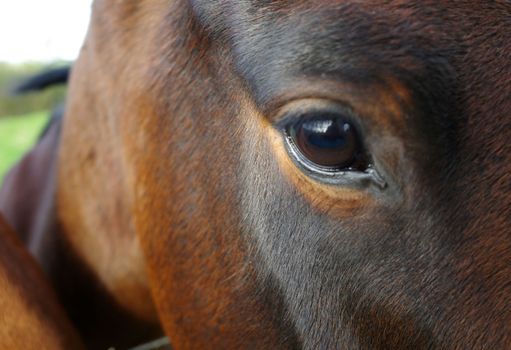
(42, 30)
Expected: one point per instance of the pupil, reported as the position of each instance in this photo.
(327, 141)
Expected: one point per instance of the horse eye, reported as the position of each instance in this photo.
(330, 141)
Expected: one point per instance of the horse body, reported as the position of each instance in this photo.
(31, 315)
(28, 201)
(176, 184)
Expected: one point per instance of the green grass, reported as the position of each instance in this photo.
(17, 135)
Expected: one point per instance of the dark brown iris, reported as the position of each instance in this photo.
(327, 140)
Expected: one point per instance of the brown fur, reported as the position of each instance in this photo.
(31, 316)
(27, 199)
(174, 185)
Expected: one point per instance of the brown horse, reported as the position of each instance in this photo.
(27, 199)
(31, 315)
(287, 174)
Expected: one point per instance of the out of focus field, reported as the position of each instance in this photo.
(17, 135)
(22, 117)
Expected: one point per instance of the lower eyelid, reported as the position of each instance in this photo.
(341, 197)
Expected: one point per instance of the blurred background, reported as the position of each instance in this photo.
(34, 35)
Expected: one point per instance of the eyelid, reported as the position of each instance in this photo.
(294, 110)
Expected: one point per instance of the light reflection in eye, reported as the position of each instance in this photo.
(319, 126)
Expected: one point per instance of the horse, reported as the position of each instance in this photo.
(31, 315)
(286, 174)
(28, 204)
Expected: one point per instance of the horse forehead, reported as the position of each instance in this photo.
(233, 11)
(436, 47)
(328, 36)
